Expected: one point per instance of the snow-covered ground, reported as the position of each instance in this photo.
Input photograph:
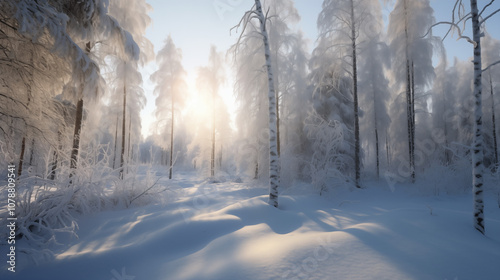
(226, 230)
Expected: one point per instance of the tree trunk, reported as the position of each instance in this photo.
(129, 149)
(212, 158)
(375, 120)
(21, 158)
(377, 152)
(447, 156)
(357, 166)
(409, 106)
(278, 139)
(116, 140)
(171, 141)
(413, 122)
(477, 155)
(220, 157)
(76, 134)
(78, 123)
(387, 149)
(122, 159)
(493, 124)
(273, 150)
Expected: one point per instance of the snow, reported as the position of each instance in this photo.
(219, 229)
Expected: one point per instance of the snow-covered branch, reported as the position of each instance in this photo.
(491, 65)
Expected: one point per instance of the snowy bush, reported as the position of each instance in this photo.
(328, 163)
(48, 209)
(448, 178)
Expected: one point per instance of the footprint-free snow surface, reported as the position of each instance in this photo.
(226, 230)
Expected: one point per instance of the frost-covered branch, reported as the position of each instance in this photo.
(455, 27)
(491, 65)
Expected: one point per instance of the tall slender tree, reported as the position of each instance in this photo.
(341, 29)
(170, 90)
(132, 16)
(212, 76)
(256, 13)
(412, 65)
(477, 19)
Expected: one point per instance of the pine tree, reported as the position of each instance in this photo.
(170, 89)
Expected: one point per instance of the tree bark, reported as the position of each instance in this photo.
(375, 119)
(413, 121)
(78, 123)
(212, 158)
(273, 150)
(387, 152)
(477, 155)
(409, 106)
(122, 159)
(76, 134)
(357, 163)
(21, 158)
(171, 140)
(116, 140)
(493, 124)
(129, 146)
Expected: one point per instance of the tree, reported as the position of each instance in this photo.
(132, 16)
(338, 24)
(287, 48)
(491, 54)
(477, 19)
(412, 65)
(212, 76)
(257, 14)
(374, 61)
(91, 19)
(170, 88)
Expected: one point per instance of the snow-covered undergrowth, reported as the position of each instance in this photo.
(226, 230)
(47, 210)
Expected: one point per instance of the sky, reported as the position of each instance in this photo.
(195, 25)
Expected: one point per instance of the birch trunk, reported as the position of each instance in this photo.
(493, 122)
(477, 155)
(273, 150)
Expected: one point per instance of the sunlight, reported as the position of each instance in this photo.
(199, 104)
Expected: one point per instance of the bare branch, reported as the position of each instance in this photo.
(486, 18)
(453, 25)
(491, 65)
(485, 8)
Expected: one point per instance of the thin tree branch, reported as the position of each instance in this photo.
(491, 65)
(451, 26)
(486, 18)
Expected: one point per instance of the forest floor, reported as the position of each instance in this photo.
(226, 230)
